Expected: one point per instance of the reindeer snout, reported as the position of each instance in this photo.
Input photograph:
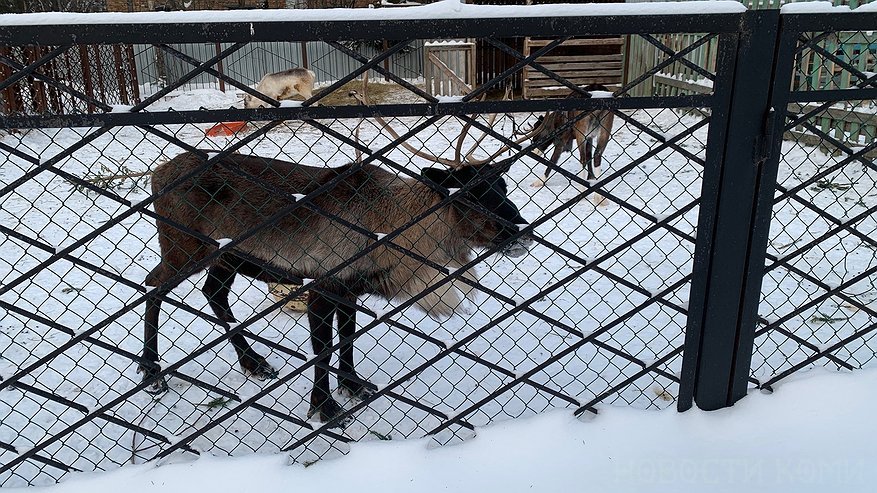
(519, 247)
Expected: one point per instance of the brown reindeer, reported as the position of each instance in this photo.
(239, 193)
(595, 125)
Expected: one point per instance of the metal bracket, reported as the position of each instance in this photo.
(763, 143)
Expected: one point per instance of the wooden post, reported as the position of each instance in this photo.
(219, 68)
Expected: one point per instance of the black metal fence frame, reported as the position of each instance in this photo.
(724, 314)
(747, 109)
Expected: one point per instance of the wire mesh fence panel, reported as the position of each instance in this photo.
(186, 275)
(587, 308)
(821, 269)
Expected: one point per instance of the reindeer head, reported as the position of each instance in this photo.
(540, 130)
(254, 102)
(492, 218)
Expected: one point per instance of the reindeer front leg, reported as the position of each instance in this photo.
(321, 312)
(348, 379)
(149, 367)
(602, 141)
(594, 168)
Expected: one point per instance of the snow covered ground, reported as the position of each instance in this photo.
(660, 186)
(813, 434)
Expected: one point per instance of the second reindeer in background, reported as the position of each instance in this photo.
(590, 132)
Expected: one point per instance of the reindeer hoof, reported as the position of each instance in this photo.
(355, 389)
(157, 384)
(329, 410)
(158, 387)
(257, 367)
(538, 184)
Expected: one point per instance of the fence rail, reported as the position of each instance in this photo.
(695, 267)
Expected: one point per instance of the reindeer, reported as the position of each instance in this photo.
(594, 125)
(283, 85)
(238, 193)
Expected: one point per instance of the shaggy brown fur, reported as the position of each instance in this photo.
(221, 204)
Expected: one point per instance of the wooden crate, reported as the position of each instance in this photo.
(580, 61)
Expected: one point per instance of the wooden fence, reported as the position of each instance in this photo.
(449, 67)
(104, 73)
(854, 124)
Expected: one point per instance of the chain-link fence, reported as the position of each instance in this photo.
(819, 286)
(173, 285)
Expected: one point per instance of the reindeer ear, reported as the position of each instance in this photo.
(505, 165)
(437, 175)
(461, 176)
(451, 178)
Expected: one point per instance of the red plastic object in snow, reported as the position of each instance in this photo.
(226, 128)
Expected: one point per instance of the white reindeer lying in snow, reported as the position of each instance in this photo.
(283, 85)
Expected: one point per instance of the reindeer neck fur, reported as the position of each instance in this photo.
(441, 237)
(445, 226)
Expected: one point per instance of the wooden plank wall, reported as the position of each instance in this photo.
(580, 61)
(490, 61)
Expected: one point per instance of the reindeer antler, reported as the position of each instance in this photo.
(395, 135)
(458, 160)
(534, 128)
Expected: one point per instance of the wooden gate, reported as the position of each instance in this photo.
(449, 67)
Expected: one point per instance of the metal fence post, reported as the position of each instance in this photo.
(734, 219)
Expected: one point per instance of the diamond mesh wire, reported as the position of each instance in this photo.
(819, 287)
(593, 313)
